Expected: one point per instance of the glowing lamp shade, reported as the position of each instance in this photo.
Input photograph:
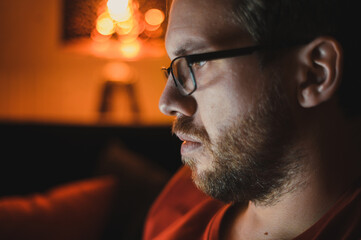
(130, 50)
(119, 29)
(154, 17)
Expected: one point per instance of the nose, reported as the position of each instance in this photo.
(172, 103)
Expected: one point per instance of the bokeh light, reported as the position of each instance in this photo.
(105, 25)
(154, 17)
(124, 25)
(119, 10)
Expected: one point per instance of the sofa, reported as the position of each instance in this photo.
(81, 182)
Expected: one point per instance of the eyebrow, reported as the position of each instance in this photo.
(188, 47)
(181, 51)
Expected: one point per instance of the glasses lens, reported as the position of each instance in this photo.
(183, 75)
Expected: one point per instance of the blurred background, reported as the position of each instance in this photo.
(80, 82)
(57, 56)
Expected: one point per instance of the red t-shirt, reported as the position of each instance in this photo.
(182, 212)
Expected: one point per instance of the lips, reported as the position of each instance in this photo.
(190, 144)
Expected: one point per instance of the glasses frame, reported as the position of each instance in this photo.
(208, 56)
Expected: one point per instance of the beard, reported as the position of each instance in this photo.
(252, 159)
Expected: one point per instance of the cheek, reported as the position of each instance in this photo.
(222, 104)
(228, 92)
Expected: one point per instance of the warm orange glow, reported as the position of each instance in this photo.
(118, 72)
(119, 10)
(154, 17)
(100, 48)
(152, 28)
(105, 25)
(130, 50)
(122, 25)
(153, 32)
(124, 28)
(100, 38)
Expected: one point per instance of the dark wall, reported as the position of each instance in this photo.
(36, 157)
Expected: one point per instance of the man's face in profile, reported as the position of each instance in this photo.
(236, 124)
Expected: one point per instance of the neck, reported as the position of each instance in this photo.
(329, 166)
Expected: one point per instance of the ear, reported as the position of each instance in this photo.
(321, 71)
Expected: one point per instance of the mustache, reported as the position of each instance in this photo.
(186, 126)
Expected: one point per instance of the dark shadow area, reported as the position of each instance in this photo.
(39, 160)
(35, 157)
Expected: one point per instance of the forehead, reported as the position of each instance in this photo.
(197, 24)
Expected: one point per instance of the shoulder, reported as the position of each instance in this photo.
(181, 210)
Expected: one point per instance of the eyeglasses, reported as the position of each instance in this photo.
(185, 68)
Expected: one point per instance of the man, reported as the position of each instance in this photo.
(254, 88)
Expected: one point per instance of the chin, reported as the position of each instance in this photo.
(198, 164)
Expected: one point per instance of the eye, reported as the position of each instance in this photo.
(199, 64)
